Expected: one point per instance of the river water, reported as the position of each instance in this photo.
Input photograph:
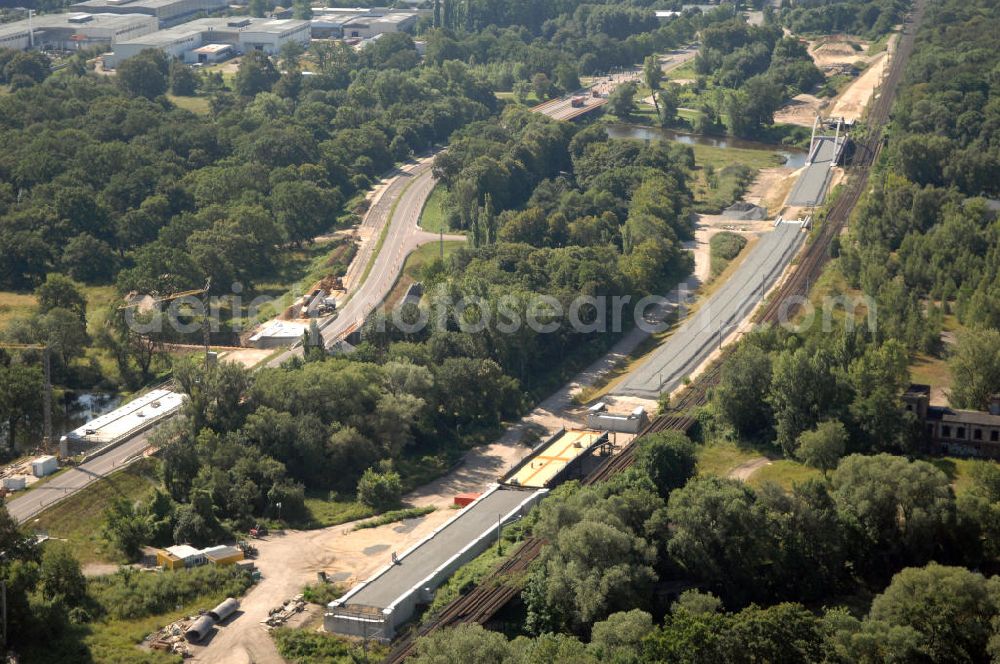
(793, 158)
(77, 408)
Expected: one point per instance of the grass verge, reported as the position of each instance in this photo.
(723, 248)
(432, 217)
(784, 473)
(324, 512)
(414, 265)
(79, 520)
(394, 516)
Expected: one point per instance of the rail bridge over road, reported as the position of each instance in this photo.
(824, 153)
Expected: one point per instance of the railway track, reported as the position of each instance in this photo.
(489, 597)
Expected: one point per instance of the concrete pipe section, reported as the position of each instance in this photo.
(199, 629)
(225, 609)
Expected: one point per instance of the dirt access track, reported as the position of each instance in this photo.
(834, 55)
(291, 559)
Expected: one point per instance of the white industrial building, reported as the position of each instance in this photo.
(69, 32)
(187, 41)
(366, 27)
(167, 12)
(360, 23)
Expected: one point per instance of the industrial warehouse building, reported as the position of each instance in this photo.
(186, 41)
(167, 12)
(367, 27)
(69, 32)
(337, 23)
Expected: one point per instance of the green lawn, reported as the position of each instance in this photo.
(930, 370)
(324, 512)
(722, 157)
(784, 473)
(721, 457)
(197, 105)
(432, 217)
(734, 170)
(80, 519)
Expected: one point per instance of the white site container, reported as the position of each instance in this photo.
(14, 483)
(44, 465)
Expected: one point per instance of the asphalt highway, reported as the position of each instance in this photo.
(810, 188)
(700, 334)
(26, 506)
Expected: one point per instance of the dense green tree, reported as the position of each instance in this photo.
(619, 637)
(60, 292)
(145, 74)
(805, 387)
(88, 259)
(183, 81)
(652, 76)
(896, 511)
(719, 535)
(567, 77)
(20, 399)
(975, 368)
(668, 458)
(823, 446)
(952, 609)
(26, 68)
(542, 86)
(465, 643)
(744, 378)
(380, 491)
(621, 102)
(61, 576)
(257, 7)
(215, 393)
(256, 74)
(303, 9)
(304, 209)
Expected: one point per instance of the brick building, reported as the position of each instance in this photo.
(965, 433)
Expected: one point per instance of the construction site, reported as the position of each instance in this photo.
(377, 607)
(482, 603)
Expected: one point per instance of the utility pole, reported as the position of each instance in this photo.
(3, 609)
(206, 322)
(31, 31)
(499, 526)
(47, 400)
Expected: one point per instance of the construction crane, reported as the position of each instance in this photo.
(46, 388)
(177, 296)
